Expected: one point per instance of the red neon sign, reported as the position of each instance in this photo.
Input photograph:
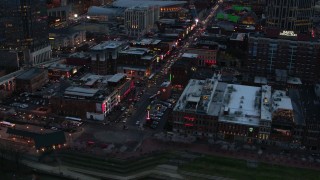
(210, 62)
(103, 107)
(188, 125)
(189, 118)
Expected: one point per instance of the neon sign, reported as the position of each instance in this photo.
(189, 118)
(210, 62)
(288, 33)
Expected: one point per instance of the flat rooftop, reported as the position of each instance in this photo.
(61, 67)
(260, 80)
(81, 91)
(237, 36)
(145, 3)
(30, 73)
(265, 102)
(79, 55)
(294, 80)
(107, 45)
(281, 101)
(147, 41)
(239, 101)
(189, 55)
(135, 51)
(90, 79)
(117, 77)
(197, 97)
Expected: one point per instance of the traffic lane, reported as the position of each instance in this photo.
(141, 110)
(141, 106)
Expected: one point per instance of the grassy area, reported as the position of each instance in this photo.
(114, 165)
(237, 169)
(10, 171)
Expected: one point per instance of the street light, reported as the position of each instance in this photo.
(197, 20)
(75, 15)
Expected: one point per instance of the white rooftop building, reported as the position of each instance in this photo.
(197, 97)
(232, 103)
(240, 105)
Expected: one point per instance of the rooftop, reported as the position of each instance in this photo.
(146, 3)
(281, 101)
(260, 80)
(90, 79)
(189, 55)
(81, 91)
(79, 55)
(147, 41)
(294, 80)
(30, 73)
(61, 67)
(110, 11)
(265, 103)
(117, 77)
(135, 51)
(232, 103)
(108, 45)
(197, 97)
(237, 36)
(240, 103)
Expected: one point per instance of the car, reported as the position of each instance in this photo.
(123, 108)
(137, 122)
(153, 126)
(54, 128)
(155, 122)
(155, 118)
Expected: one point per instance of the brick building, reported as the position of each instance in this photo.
(284, 54)
(31, 80)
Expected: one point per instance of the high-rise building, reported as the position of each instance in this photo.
(289, 53)
(139, 20)
(24, 28)
(293, 15)
(104, 56)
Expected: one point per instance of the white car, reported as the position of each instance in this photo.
(54, 128)
(123, 108)
(138, 123)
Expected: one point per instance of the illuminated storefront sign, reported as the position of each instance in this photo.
(210, 62)
(288, 33)
(189, 118)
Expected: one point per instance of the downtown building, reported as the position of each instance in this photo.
(104, 57)
(281, 55)
(24, 29)
(290, 15)
(213, 109)
(136, 62)
(94, 99)
(206, 50)
(140, 20)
